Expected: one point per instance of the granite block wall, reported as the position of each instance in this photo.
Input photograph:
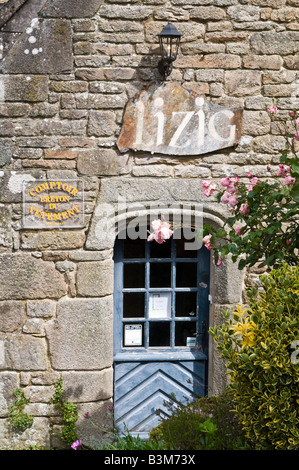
(67, 71)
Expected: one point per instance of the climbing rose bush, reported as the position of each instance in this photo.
(264, 213)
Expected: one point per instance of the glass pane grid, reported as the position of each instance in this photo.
(162, 276)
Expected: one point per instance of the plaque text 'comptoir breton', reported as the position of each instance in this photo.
(172, 120)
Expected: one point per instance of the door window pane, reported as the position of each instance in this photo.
(134, 275)
(184, 331)
(182, 251)
(162, 250)
(159, 334)
(185, 304)
(160, 275)
(133, 305)
(134, 248)
(186, 274)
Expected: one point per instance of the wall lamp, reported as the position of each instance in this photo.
(169, 45)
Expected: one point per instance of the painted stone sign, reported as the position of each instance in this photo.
(172, 120)
(53, 204)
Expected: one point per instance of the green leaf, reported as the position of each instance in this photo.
(221, 233)
(295, 191)
(242, 264)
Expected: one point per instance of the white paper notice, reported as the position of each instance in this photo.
(133, 335)
(160, 305)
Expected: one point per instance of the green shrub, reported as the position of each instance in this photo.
(206, 424)
(69, 412)
(19, 420)
(257, 345)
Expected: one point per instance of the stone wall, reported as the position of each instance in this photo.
(67, 71)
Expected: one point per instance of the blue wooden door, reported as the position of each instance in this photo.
(161, 307)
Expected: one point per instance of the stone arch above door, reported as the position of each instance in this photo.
(122, 199)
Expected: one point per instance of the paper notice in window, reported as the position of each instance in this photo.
(160, 305)
(133, 335)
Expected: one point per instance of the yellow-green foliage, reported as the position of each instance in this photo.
(258, 345)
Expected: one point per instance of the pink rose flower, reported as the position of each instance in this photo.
(156, 224)
(207, 241)
(233, 201)
(244, 209)
(225, 198)
(235, 179)
(284, 170)
(238, 230)
(162, 231)
(220, 262)
(225, 181)
(210, 188)
(289, 180)
(272, 110)
(231, 188)
(228, 198)
(253, 182)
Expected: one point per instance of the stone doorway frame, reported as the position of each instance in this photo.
(226, 282)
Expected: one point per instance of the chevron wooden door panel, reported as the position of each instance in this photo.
(143, 389)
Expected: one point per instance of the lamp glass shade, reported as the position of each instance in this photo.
(169, 39)
(169, 42)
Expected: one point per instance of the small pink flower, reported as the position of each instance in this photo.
(225, 181)
(235, 179)
(272, 110)
(162, 231)
(207, 241)
(166, 232)
(76, 444)
(283, 171)
(208, 192)
(220, 262)
(292, 113)
(225, 198)
(210, 188)
(289, 180)
(159, 238)
(244, 209)
(231, 188)
(253, 181)
(249, 175)
(151, 237)
(296, 135)
(233, 201)
(288, 242)
(156, 224)
(238, 230)
(228, 198)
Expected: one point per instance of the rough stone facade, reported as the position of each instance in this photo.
(67, 71)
